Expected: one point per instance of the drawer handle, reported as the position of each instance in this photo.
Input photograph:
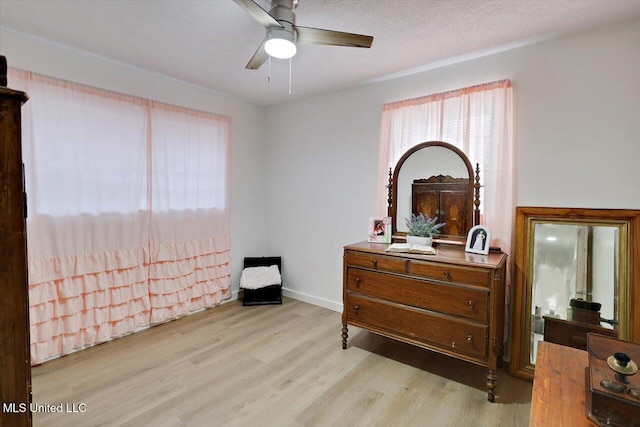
(375, 263)
(469, 338)
(470, 303)
(357, 281)
(356, 308)
(447, 274)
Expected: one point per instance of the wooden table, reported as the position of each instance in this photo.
(558, 397)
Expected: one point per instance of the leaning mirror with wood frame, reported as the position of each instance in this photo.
(576, 271)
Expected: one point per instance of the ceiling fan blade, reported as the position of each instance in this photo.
(258, 58)
(258, 13)
(333, 38)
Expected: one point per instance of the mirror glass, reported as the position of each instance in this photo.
(573, 261)
(420, 163)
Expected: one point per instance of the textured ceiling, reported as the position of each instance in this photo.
(209, 42)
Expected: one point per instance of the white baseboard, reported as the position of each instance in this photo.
(234, 297)
(321, 302)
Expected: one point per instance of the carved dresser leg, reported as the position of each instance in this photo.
(345, 335)
(491, 384)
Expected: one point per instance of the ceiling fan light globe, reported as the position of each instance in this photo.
(280, 48)
(280, 44)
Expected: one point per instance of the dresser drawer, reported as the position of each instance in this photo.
(376, 262)
(454, 300)
(419, 325)
(451, 273)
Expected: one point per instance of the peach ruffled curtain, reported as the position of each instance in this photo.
(190, 198)
(479, 121)
(128, 212)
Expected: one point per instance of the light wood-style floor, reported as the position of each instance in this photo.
(270, 366)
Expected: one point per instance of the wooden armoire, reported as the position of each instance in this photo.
(446, 198)
(15, 366)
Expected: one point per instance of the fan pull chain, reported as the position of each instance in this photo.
(289, 76)
(269, 76)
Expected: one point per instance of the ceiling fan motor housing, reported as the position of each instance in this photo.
(282, 10)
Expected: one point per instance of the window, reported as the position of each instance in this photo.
(477, 120)
(128, 221)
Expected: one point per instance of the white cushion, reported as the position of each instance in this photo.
(259, 277)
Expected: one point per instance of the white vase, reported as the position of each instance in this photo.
(426, 241)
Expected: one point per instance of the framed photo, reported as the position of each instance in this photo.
(478, 240)
(380, 229)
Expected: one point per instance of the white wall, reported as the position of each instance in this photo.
(576, 129)
(577, 133)
(248, 224)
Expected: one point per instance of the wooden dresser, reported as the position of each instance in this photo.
(451, 302)
(559, 396)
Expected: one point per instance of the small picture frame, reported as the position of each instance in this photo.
(478, 240)
(380, 229)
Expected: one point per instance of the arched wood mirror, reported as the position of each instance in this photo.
(436, 179)
(576, 271)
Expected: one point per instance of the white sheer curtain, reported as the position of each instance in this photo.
(106, 230)
(479, 121)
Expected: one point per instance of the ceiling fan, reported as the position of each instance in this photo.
(283, 33)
